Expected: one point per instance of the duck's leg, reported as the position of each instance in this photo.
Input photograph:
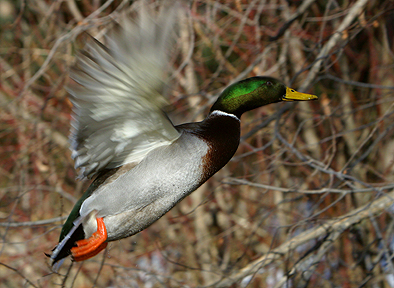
(90, 247)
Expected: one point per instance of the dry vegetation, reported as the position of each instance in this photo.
(306, 201)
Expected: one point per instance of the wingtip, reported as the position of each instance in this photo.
(140, 66)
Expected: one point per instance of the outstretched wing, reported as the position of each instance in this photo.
(118, 95)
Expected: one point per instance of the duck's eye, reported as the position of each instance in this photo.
(269, 83)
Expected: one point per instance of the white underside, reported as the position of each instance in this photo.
(142, 195)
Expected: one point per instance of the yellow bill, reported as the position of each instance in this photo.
(293, 95)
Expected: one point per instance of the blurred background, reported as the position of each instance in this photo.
(307, 201)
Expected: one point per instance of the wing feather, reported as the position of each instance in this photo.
(118, 95)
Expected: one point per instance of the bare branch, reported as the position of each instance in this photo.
(333, 226)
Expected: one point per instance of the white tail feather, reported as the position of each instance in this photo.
(60, 246)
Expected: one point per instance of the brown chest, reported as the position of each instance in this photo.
(222, 133)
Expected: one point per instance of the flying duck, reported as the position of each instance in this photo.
(142, 164)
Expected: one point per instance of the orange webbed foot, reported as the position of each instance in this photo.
(90, 247)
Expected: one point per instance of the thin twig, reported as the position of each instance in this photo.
(374, 208)
(381, 189)
(335, 38)
(19, 273)
(32, 223)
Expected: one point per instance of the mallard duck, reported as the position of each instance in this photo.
(143, 165)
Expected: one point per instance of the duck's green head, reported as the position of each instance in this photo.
(255, 92)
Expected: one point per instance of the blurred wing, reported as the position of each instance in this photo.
(117, 97)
